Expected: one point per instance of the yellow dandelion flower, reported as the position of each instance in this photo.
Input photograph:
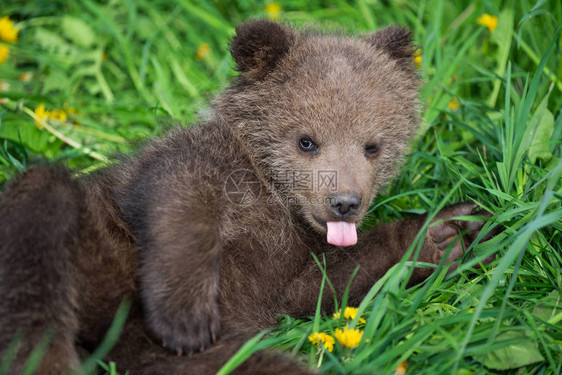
(454, 104)
(42, 114)
(349, 313)
(318, 338)
(418, 58)
(4, 52)
(350, 338)
(491, 22)
(401, 369)
(273, 10)
(203, 51)
(7, 31)
(26, 76)
(58, 115)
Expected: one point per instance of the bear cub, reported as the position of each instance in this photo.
(210, 231)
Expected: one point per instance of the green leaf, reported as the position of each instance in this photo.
(520, 352)
(30, 136)
(78, 31)
(53, 43)
(542, 128)
(54, 82)
(502, 37)
(549, 307)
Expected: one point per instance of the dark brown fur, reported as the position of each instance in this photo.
(159, 227)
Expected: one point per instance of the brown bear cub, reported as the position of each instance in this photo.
(210, 231)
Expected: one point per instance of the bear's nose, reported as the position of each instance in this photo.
(344, 204)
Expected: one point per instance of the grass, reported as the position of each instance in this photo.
(127, 67)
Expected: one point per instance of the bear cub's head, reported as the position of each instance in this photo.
(326, 118)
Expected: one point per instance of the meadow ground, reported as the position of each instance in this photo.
(80, 80)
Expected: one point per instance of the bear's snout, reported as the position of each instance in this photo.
(344, 205)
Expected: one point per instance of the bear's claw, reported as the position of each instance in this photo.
(457, 234)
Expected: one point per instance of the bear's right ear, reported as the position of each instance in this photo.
(258, 45)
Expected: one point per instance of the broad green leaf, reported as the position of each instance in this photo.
(549, 306)
(520, 352)
(542, 127)
(78, 31)
(53, 42)
(55, 81)
(30, 136)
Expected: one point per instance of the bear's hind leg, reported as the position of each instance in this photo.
(39, 229)
(210, 361)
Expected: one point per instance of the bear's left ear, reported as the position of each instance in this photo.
(258, 45)
(396, 41)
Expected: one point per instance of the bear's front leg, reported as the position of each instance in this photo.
(385, 245)
(378, 250)
(444, 233)
(179, 274)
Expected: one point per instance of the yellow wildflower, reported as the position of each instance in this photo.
(4, 52)
(7, 31)
(273, 10)
(350, 338)
(26, 76)
(203, 51)
(58, 115)
(55, 114)
(418, 58)
(349, 313)
(491, 22)
(401, 369)
(318, 338)
(454, 104)
(42, 114)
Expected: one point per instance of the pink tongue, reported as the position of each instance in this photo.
(341, 233)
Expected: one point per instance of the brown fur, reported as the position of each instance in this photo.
(158, 227)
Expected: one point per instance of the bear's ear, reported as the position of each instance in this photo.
(258, 45)
(396, 41)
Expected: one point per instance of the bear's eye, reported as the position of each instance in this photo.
(371, 149)
(307, 145)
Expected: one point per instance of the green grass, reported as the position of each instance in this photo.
(127, 67)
